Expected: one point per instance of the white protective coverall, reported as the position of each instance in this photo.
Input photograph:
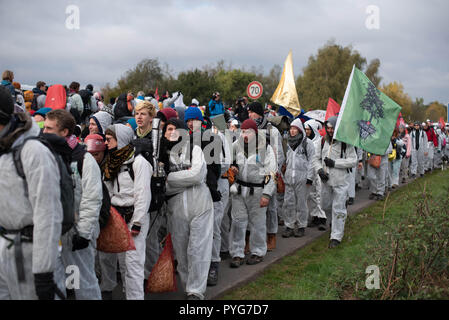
(191, 216)
(125, 192)
(378, 176)
(299, 169)
(417, 165)
(88, 199)
(276, 144)
(334, 191)
(314, 197)
(220, 206)
(41, 208)
(246, 206)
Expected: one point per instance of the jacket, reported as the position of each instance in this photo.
(338, 174)
(254, 168)
(42, 207)
(299, 162)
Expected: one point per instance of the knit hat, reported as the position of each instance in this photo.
(193, 113)
(6, 105)
(249, 124)
(332, 121)
(94, 143)
(132, 123)
(166, 114)
(42, 111)
(178, 123)
(256, 107)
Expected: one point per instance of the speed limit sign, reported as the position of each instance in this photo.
(254, 90)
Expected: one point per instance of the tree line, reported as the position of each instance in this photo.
(325, 76)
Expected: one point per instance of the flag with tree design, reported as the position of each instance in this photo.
(367, 117)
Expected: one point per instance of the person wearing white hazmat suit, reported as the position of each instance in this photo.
(333, 161)
(419, 150)
(128, 179)
(298, 179)
(255, 166)
(315, 211)
(190, 209)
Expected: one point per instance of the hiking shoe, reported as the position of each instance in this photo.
(413, 176)
(351, 201)
(314, 223)
(254, 259)
(322, 224)
(300, 232)
(224, 255)
(236, 262)
(372, 196)
(212, 277)
(193, 297)
(288, 233)
(333, 243)
(380, 197)
(271, 241)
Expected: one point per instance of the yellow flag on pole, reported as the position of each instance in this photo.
(285, 94)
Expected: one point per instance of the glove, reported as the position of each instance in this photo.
(329, 162)
(323, 175)
(79, 243)
(309, 182)
(216, 195)
(44, 285)
(135, 230)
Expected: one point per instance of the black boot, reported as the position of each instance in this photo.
(212, 277)
(322, 224)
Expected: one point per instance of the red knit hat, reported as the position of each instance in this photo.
(249, 124)
(94, 143)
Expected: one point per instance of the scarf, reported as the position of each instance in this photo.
(114, 160)
(72, 141)
(144, 134)
(294, 142)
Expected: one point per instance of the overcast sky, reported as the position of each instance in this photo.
(412, 41)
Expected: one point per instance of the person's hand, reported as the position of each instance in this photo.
(360, 166)
(426, 154)
(79, 243)
(135, 230)
(235, 170)
(323, 175)
(264, 202)
(309, 182)
(329, 162)
(44, 286)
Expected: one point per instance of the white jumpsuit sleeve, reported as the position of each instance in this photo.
(142, 189)
(42, 175)
(91, 197)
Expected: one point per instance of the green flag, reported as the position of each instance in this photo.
(367, 117)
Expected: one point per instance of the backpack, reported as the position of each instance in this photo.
(85, 96)
(78, 156)
(144, 147)
(62, 153)
(56, 97)
(34, 102)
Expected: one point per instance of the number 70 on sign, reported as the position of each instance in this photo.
(254, 90)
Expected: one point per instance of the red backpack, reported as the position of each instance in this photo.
(56, 97)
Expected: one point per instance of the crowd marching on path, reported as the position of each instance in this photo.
(216, 181)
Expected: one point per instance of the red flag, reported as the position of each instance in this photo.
(442, 123)
(400, 120)
(156, 95)
(333, 108)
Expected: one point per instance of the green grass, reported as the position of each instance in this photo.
(315, 272)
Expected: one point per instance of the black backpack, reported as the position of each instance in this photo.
(78, 156)
(62, 153)
(86, 97)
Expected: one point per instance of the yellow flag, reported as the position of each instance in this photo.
(285, 94)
